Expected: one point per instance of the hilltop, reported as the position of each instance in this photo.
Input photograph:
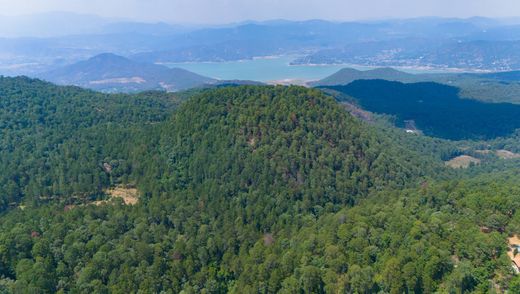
(112, 73)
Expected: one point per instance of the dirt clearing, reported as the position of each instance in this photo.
(463, 161)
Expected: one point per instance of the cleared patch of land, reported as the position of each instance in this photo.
(512, 252)
(505, 154)
(129, 195)
(463, 161)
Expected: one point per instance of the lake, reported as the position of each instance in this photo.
(260, 69)
(271, 69)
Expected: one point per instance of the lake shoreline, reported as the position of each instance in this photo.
(280, 69)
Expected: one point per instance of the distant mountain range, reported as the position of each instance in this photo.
(475, 43)
(434, 42)
(112, 73)
(442, 54)
(60, 23)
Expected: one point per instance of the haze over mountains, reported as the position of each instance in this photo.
(472, 44)
(493, 55)
(60, 23)
(111, 73)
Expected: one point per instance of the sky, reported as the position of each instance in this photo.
(227, 11)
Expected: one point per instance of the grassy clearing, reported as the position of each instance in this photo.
(463, 161)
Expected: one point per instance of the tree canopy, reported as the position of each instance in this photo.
(248, 189)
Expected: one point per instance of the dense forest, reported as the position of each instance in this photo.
(242, 189)
(55, 140)
(436, 109)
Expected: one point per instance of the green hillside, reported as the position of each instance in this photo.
(248, 189)
(493, 87)
(55, 140)
(435, 109)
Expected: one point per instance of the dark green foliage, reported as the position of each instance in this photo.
(424, 240)
(436, 109)
(54, 140)
(495, 87)
(246, 190)
(510, 143)
(265, 137)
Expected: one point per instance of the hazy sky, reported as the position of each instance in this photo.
(225, 11)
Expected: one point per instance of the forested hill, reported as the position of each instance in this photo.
(69, 144)
(248, 189)
(285, 142)
(54, 140)
(232, 166)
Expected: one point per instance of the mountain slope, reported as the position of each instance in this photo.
(111, 73)
(54, 140)
(291, 136)
(437, 110)
(243, 189)
(488, 87)
(232, 165)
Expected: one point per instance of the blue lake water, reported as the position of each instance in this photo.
(271, 69)
(260, 69)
